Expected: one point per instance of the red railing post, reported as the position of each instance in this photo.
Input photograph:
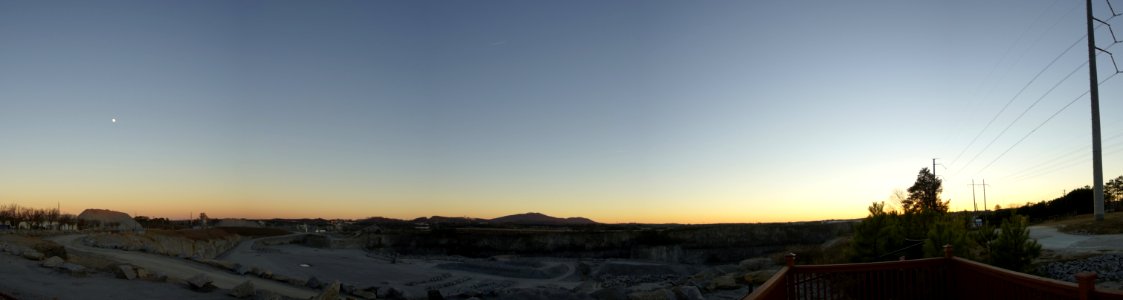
(1086, 284)
(790, 258)
(948, 251)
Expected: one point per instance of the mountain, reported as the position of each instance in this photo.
(446, 220)
(534, 218)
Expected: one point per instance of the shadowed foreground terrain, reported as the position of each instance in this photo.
(404, 261)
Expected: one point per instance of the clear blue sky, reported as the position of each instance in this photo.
(649, 111)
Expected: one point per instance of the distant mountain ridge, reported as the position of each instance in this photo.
(533, 218)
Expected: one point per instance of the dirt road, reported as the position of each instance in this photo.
(182, 269)
(1064, 243)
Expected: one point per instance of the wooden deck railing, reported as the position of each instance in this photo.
(930, 278)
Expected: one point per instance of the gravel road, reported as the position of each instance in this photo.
(182, 269)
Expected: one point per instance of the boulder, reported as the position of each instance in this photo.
(314, 283)
(365, 294)
(125, 271)
(724, 282)
(279, 277)
(759, 277)
(241, 269)
(243, 290)
(329, 293)
(660, 294)
(266, 295)
(435, 295)
(73, 269)
(32, 254)
(612, 293)
(755, 263)
(201, 282)
(394, 293)
(53, 262)
(688, 292)
(142, 273)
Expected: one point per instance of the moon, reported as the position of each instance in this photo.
(114, 120)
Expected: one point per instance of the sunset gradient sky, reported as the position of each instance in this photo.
(619, 111)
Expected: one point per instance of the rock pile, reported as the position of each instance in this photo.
(244, 290)
(108, 219)
(201, 282)
(1107, 267)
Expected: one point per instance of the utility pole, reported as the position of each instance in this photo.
(936, 187)
(984, 185)
(973, 197)
(934, 167)
(1094, 92)
(985, 209)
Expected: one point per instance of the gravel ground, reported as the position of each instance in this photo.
(25, 279)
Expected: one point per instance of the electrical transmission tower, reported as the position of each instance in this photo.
(1094, 92)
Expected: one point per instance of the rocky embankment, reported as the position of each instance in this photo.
(174, 246)
(691, 244)
(1108, 267)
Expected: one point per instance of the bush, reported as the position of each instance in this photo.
(1013, 249)
(948, 230)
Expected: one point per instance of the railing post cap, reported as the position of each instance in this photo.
(790, 258)
(948, 250)
(1082, 276)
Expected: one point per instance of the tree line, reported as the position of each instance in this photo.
(37, 218)
(923, 226)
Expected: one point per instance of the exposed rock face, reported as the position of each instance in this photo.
(162, 244)
(108, 219)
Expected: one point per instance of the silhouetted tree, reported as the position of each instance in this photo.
(1013, 249)
(924, 195)
(1113, 191)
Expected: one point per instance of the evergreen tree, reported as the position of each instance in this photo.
(1013, 249)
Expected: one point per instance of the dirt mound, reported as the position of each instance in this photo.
(108, 219)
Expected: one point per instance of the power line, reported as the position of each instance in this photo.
(1018, 40)
(1022, 90)
(1075, 161)
(1051, 89)
(1043, 124)
(1011, 101)
(1056, 160)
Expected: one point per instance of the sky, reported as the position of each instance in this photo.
(620, 111)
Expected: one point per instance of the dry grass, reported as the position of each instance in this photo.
(46, 247)
(1084, 224)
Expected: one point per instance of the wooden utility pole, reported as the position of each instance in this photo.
(1094, 92)
(984, 185)
(985, 196)
(976, 203)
